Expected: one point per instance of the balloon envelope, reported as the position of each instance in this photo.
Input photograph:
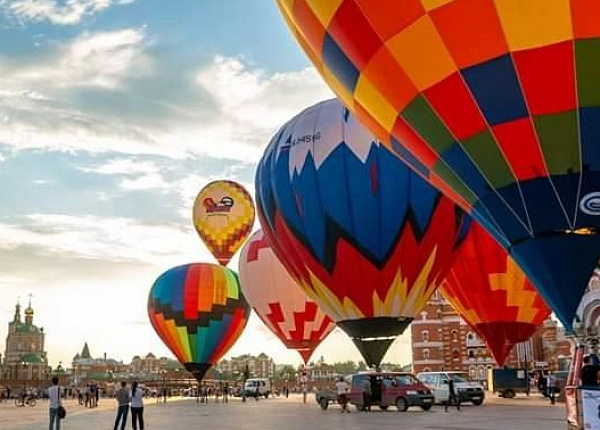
(365, 237)
(496, 102)
(492, 294)
(223, 216)
(198, 310)
(279, 301)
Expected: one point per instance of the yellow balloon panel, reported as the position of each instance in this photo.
(223, 216)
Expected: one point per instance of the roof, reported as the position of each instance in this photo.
(86, 351)
(24, 328)
(32, 358)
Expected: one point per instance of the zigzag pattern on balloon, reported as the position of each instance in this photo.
(364, 236)
(217, 313)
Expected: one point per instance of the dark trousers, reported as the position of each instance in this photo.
(137, 416)
(453, 400)
(121, 416)
(366, 401)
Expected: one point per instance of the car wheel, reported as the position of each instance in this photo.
(383, 407)
(509, 394)
(401, 404)
(324, 403)
(426, 407)
(478, 401)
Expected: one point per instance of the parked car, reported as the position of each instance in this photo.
(467, 391)
(400, 389)
(263, 385)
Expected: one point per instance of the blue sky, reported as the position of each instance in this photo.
(113, 115)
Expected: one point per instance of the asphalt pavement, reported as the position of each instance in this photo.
(522, 413)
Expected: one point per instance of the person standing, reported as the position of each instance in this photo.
(137, 407)
(366, 393)
(452, 396)
(123, 397)
(341, 387)
(551, 386)
(55, 401)
(589, 373)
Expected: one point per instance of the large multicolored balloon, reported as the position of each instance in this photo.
(364, 236)
(199, 311)
(496, 102)
(279, 301)
(492, 294)
(223, 216)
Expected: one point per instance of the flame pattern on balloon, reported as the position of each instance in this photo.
(199, 311)
(279, 301)
(495, 102)
(223, 216)
(365, 237)
(492, 294)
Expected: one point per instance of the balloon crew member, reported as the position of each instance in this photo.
(452, 397)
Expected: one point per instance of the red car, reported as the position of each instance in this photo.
(399, 389)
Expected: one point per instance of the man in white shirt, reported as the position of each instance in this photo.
(55, 402)
(342, 393)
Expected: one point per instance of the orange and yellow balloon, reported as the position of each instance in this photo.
(223, 216)
(492, 294)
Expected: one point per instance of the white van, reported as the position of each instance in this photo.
(467, 391)
(263, 385)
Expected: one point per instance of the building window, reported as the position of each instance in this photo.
(470, 336)
(424, 315)
(471, 353)
(425, 354)
(455, 354)
(454, 335)
(425, 335)
(472, 373)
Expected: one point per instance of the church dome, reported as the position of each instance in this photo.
(29, 310)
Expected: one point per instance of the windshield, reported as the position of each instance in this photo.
(459, 377)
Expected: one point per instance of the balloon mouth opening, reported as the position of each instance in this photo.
(583, 231)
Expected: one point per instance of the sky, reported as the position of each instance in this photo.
(113, 115)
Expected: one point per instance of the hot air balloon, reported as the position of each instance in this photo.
(279, 301)
(365, 237)
(223, 216)
(492, 294)
(495, 102)
(199, 312)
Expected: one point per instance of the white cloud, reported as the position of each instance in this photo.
(108, 239)
(123, 166)
(152, 181)
(252, 98)
(68, 12)
(38, 110)
(101, 60)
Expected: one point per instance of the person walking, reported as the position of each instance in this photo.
(123, 397)
(55, 402)
(452, 397)
(137, 407)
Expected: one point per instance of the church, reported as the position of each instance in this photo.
(25, 357)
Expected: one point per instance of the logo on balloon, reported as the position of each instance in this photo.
(590, 203)
(223, 206)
